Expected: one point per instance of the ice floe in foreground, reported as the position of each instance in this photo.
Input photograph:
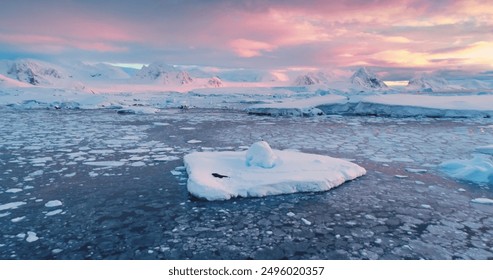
(261, 171)
(477, 170)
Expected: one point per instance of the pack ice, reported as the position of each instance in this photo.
(262, 171)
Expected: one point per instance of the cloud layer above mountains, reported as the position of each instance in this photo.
(406, 34)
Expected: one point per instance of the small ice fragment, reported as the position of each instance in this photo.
(31, 237)
(53, 203)
(175, 173)
(291, 214)
(194, 141)
(13, 190)
(426, 206)
(54, 212)
(461, 190)
(306, 222)
(401, 176)
(18, 219)
(138, 164)
(56, 251)
(482, 200)
(11, 205)
(416, 170)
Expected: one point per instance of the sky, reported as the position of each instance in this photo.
(395, 37)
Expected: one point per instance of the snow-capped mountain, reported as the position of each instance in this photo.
(35, 72)
(215, 82)
(427, 83)
(163, 73)
(311, 78)
(365, 78)
(11, 83)
(247, 76)
(99, 71)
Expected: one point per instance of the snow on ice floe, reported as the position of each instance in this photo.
(477, 170)
(225, 175)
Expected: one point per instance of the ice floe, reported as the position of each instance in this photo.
(31, 236)
(53, 203)
(11, 205)
(224, 175)
(482, 200)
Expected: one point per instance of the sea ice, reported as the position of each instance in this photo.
(224, 175)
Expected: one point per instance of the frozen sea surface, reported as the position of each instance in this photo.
(120, 188)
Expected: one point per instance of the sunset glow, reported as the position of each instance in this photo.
(410, 34)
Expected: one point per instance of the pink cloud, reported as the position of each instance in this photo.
(317, 33)
(250, 48)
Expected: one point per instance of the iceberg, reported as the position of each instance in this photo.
(262, 171)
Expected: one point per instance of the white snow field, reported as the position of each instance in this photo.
(261, 171)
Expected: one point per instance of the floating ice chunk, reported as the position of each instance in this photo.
(18, 219)
(105, 163)
(54, 212)
(13, 190)
(187, 128)
(166, 158)
(401, 176)
(306, 222)
(137, 151)
(224, 175)
(482, 200)
(41, 160)
(53, 203)
(160, 124)
(194, 141)
(175, 173)
(102, 152)
(477, 170)
(31, 237)
(11, 205)
(138, 164)
(416, 170)
(291, 214)
(260, 154)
